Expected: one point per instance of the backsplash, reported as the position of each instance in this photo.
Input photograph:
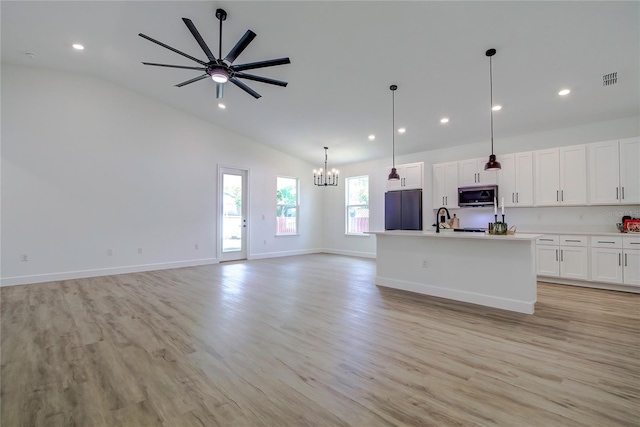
(552, 219)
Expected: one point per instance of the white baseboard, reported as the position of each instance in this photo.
(284, 253)
(457, 295)
(80, 274)
(595, 285)
(350, 253)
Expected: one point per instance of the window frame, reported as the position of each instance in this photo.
(348, 206)
(296, 206)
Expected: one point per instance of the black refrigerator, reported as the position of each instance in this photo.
(403, 210)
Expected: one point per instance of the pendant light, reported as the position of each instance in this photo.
(492, 164)
(326, 177)
(393, 176)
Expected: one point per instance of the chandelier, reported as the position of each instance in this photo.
(325, 177)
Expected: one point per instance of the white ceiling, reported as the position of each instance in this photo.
(344, 57)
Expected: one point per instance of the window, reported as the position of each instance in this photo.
(286, 206)
(357, 204)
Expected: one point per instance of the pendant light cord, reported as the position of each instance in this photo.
(220, 42)
(393, 125)
(491, 99)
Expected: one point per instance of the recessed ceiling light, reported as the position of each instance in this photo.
(496, 107)
(444, 120)
(222, 106)
(402, 130)
(372, 137)
(564, 92)
(77, 46)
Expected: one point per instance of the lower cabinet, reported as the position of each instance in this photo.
(615, 260)
(562, 256)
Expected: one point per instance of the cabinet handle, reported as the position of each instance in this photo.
(622, 193)
(572, 240)
(562, 255)
(617, 193)
(556, 255)
(512, 199)
(547, 240)
(625, 260)
(602, 241)
(446, 200)
(562, 196)
(517, 197)
(620, 259)
(634, 243)
(557, 195)
(443, 200)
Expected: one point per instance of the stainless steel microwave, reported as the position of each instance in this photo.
(480, 195)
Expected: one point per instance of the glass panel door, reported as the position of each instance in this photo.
(233, 218)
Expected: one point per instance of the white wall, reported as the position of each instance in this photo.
(594, 218)
(87, 166)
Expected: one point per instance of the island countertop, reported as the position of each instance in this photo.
(458, 235)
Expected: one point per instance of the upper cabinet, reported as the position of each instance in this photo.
(411, 177)
(471, 172)
(614, 176)
(445, 185)
(515, 179)
(561, 176)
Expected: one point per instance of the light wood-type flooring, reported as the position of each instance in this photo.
(310, 340)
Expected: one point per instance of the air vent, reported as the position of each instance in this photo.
(610, 79)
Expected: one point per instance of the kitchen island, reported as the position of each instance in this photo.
(489, 270)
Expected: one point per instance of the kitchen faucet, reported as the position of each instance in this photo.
(441, 219)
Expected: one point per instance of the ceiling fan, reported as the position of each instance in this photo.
(219, 69)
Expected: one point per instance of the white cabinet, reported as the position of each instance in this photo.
(515, 179)
(615, 260)
(561, 176)
(614, 176)
(471, 172)
(629, 170)
(445, 185)
(562, 256)
(411, 177)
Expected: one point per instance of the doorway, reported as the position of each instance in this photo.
(232, 202)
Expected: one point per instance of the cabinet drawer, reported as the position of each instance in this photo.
(548, 240)
(631, 242)
(573, 241)
(606, 241)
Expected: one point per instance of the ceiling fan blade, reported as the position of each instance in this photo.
(261, 64)
(261, 79)
(204, 76)
(196, 35)
(175, 66)
(244, 87)
(240, 46)
(172, 49)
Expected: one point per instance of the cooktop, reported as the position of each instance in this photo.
(472, 230)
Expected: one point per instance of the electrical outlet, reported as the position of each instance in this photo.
(24, 257)
(139, 250)
(197, 246)
(424, 263)
(109, 252)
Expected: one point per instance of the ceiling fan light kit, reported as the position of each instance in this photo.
(221, 70)
(393, 176)
(492, 164)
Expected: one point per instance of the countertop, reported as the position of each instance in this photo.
(457, 235)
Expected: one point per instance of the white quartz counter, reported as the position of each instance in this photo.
(459, 235)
